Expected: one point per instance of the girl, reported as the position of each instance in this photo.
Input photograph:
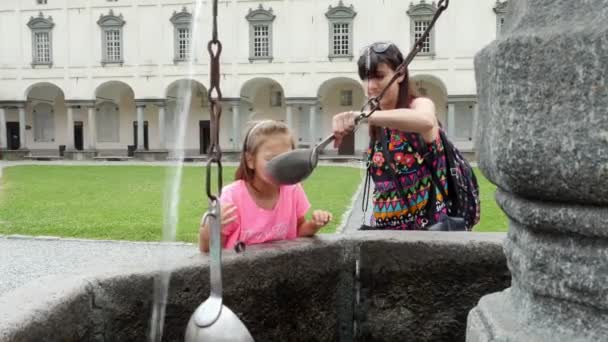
(397, 131)
(254, 210)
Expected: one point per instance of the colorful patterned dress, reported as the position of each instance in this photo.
(397, 210)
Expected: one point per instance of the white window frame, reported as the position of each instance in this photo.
(44, 122)
(340, 15)
(500, 8)
(182, 21)
(260, 17)
(111, 23)
(420, 13)
(41, 26)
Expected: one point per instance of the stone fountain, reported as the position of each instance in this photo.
(544, 143)
(372, 286)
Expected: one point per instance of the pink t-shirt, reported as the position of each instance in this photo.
(258, 225)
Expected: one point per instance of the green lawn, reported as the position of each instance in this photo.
(492, 217)
(125, 202)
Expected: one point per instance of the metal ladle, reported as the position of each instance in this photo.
(213, 321)
(294, 166)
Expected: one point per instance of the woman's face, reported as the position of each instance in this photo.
(374, 84)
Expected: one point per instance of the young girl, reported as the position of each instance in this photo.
(253, 209)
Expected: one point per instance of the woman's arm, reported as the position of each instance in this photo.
(420, 119)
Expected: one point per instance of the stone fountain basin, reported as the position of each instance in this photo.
(413, 286)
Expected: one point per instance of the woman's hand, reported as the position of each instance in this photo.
(321, 218)
(343, 124)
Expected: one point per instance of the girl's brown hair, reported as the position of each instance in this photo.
(392, 57)
(255, 136)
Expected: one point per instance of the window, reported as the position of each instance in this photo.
(260, 33)
(113, 46)
(346, 98)
(107, 121)
(44, 123)
(183, 44)
(420, 19)
(41, 2)
(340, 20)
(42, 46)
(182, 22)
(276, 98)
(41, 28)
(341, 41)
(419, 27)
(261, 41)
(501, 10)
(111, 38)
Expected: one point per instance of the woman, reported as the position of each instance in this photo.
(396, 155)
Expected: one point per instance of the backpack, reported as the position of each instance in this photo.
(463, 205)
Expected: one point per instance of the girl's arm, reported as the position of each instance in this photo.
(420, 119)
(319, 219)
(203, 241)
(228, 217)
(306, 228)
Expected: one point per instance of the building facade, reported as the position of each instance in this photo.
(86, 78)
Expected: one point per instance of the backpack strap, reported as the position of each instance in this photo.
(426, 157)
(386, 155)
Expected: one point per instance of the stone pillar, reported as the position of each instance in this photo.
(70, 127)
(3, 142)
(475, 120)
(162, 140)
(544, 142)
(22, 124)
(451, 120)
(313, 124)
(236, 127)
(289, 119)
(92, 127)
(140, 126)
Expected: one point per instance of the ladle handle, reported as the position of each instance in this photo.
(332, 137)
(215, 248)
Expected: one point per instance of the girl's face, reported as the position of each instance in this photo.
(270, 147)
(375, 83)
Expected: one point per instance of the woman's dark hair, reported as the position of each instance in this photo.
(389, 54)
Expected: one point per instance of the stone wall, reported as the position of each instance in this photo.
(413, 286)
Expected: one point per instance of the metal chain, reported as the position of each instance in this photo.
(374, 103)
(214, 153)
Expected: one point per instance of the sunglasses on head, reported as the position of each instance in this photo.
(378, 47)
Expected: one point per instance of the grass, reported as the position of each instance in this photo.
(126, 202)
(493, 219)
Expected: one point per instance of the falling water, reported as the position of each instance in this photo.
(174, 176)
